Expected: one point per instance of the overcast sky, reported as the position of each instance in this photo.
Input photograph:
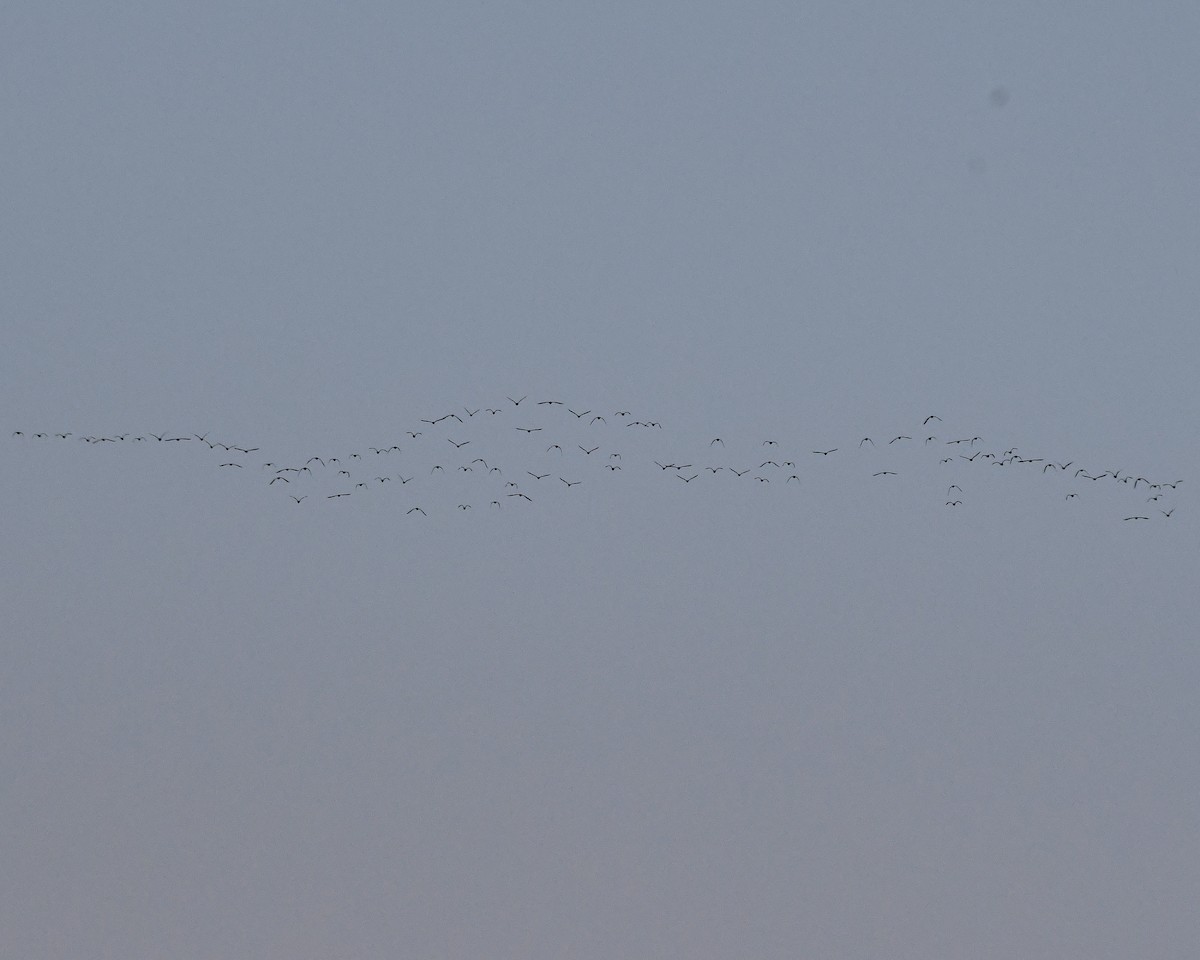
(883, 701)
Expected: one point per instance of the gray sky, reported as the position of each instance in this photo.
(830, 716)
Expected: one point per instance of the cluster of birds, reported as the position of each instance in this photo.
(519, 451)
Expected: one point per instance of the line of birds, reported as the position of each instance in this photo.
(559, 459)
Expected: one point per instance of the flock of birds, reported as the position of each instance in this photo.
(521, 451)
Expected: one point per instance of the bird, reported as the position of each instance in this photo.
(884, 473)
(578, 416)
(571, 483)
(284, 479)
(416, 510)
(457, 445)
(826, 453)
(516, 403)
(866, 440)
(587, 451)
(687, 479)
(334, 496)
(716, 440)
(894, 439)
(529, 429)
(403, 479)
(298, 499)
(228, 464)
(931, 417)
(538, 476)
(470, 412)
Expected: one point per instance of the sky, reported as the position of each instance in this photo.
(880, 701)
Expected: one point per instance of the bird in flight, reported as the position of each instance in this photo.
(538, 476)
(571, 483)
(578, 416)
(885, 473)
(457, 445)
(529, 429)
(826, 453)
(298, 499)
(587, 451)
(516, 403)
(866, 440)
(931, 417)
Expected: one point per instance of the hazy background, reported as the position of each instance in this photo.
(831, 717)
